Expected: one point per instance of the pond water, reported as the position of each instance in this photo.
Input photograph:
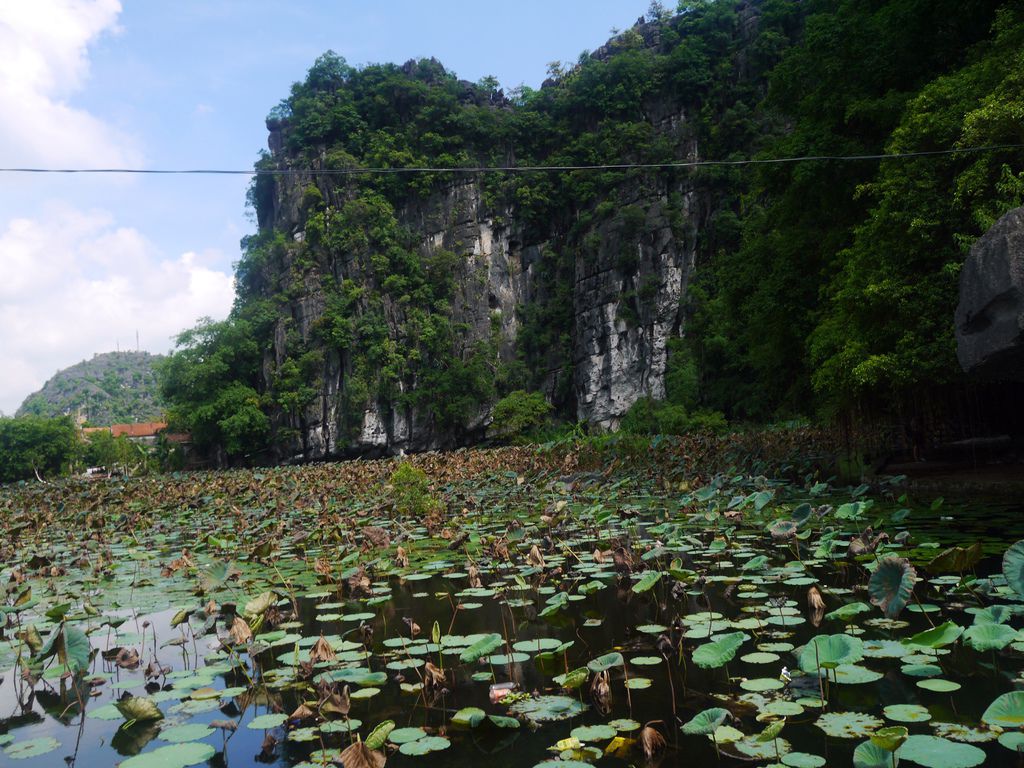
(693, 601)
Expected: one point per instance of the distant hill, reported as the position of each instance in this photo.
(112, 388)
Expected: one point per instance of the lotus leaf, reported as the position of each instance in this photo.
(891, 585)
(848, 725)
(1013, 567)
(944, 634)
(829, 651)
(172, 756)
(607, 661)
(870, 755)
(704, 723)
(468, 717)
(936, 752)
(1006, 711)
(543, 709)
(989, 637)
(424, 746)
(20, 750)
(485, 646)
(719, 652)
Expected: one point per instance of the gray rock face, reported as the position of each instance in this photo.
(990, 316)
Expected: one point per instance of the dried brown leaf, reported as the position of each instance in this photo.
(358, 755)
(651, 741)
(239, 631)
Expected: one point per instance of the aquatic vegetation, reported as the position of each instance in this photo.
(303, 616)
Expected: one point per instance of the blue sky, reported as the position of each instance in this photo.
(87, 261)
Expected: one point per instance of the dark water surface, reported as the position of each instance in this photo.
(768, 604)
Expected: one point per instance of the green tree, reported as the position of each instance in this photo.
(211, 382)
(36, 446)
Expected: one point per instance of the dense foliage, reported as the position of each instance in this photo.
(35, 447)
(820, 285)
(111, 388)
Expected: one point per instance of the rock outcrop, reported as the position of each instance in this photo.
(581, 304)
(990, 316)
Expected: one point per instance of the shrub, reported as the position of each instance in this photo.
(651, 417)
(520, 412)
(410, 491)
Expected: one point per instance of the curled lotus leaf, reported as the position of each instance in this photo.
(607, 661)
(870, 755)
(944, 634)
(719, 652)
(890, 738)
(956, 559)
(705, 722)
(485, 646)
(830, 651)
(891, 585)
(139, 708)
(1013, 567)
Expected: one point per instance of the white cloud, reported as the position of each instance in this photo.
(73, 283)
(45, 61)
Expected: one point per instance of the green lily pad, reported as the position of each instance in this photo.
(829, 651)
(188, 732)
(266, 722)
(1006, 711)
(593, 733)
(543, 709)
(938, 685)
(1012, 740)
(20, 750)
(989, 637)
(803, 760)
(425, 745)
(762, 684)
(403, 735)
(907, 713)
(467, 717)
(935, 752)
(172, 756)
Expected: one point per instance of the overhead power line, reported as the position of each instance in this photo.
(517, 168)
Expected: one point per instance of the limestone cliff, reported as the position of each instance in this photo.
(600, 279)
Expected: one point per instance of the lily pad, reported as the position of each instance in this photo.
(1007, 711)
(543, 709)
(936, 752)
(593, 733)
(848, 725)
(20, 750)
(172, 756)
(907, 713)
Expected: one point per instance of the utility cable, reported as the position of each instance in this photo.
(518, 168)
